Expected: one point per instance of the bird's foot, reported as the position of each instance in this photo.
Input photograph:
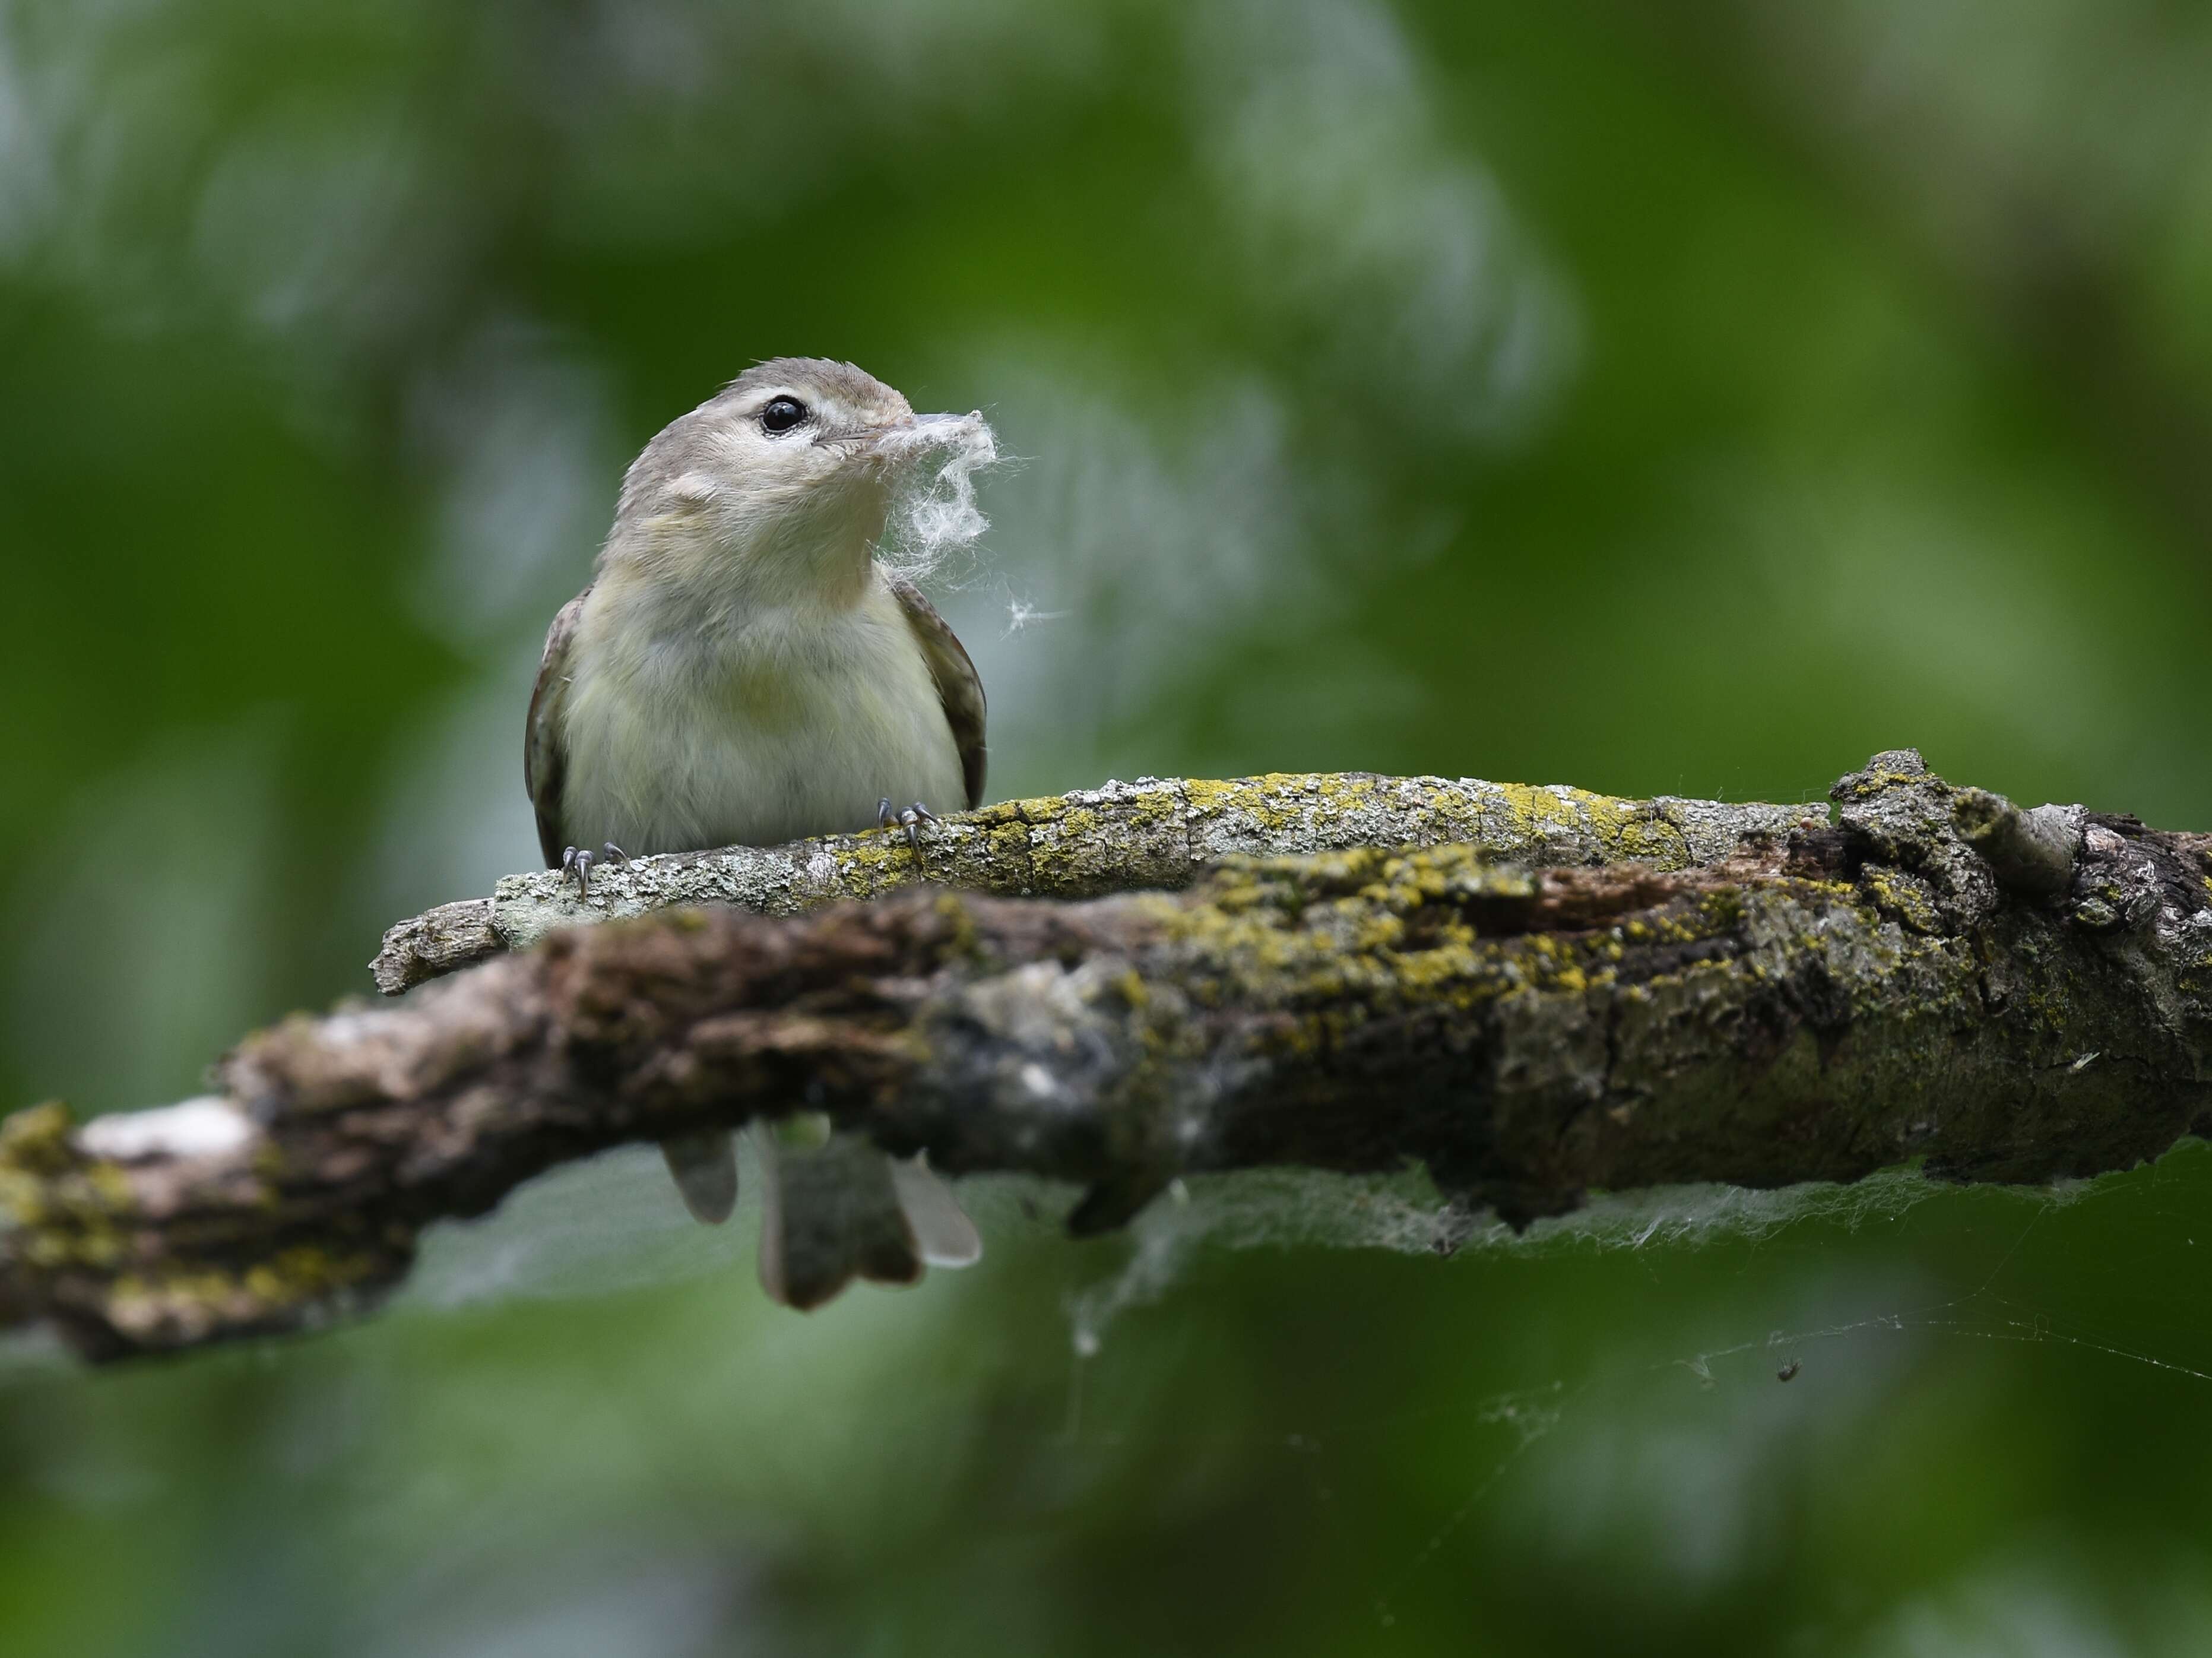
(578, 860)
(911, 820)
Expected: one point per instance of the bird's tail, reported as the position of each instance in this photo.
(706, 1170)
(840, 1208)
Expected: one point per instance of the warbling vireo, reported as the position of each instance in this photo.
(742, 670)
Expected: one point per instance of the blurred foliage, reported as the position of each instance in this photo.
(1690, 399)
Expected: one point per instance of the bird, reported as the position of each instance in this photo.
(743, 669)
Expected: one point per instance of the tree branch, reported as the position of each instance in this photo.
(1684, 991)
(1154, 832)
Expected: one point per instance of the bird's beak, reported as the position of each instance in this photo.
(911, 436)
(885, 438)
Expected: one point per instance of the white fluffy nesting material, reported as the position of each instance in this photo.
(935, 516)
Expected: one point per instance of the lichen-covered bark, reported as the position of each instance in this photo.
(1811, 1000)
(1154, 832)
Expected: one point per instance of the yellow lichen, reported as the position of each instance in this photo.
(36, 1140)
(1901, 898)
(191, 1300)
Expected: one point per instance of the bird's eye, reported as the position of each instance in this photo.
(782, 414)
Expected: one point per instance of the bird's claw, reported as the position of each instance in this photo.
(910, 820)
(578, 860)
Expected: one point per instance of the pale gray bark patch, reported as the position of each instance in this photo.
(2032, 851)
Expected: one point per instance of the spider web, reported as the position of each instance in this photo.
(1670, 1424)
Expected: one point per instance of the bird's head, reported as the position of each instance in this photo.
(783, 481)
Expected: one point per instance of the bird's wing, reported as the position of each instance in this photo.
(545, 741)
(958, 686)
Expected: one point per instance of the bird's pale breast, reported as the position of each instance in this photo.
(795, 722)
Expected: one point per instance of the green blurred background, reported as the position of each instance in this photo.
(1689, 398)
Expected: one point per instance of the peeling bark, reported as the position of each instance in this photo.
(1636, 994)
